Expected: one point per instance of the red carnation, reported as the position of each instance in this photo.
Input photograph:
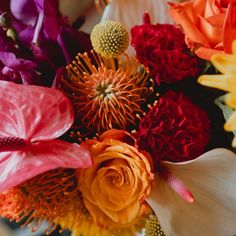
(162, 49)
(175, 129)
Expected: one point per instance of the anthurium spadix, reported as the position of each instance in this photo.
(211, 179)
(31, 118)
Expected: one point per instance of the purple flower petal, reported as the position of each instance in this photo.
(25, 11)
(52, 21)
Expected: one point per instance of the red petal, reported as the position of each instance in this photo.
(229, 33)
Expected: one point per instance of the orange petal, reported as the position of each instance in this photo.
(191, 31)
(206, 53)
(120, 135)
(212, 8)
(199, 7)
(229, 33)
(211, 30)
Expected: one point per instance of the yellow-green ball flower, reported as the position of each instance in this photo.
(110, 38)
(152, 227)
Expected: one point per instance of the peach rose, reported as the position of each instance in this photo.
(114, 189)
(209, 25)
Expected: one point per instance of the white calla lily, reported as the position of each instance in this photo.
(211, 178)
(130, 13)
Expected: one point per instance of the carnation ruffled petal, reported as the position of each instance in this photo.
(174, 129)
(161, 48)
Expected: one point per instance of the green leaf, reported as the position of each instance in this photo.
(227, 111)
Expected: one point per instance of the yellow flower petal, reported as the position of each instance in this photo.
(230, 99)
(225, 63)
(230, 125)
(223, 82)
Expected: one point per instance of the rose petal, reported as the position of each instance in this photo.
(190, 29)
(210, 29)
(206, 53)
(229, 33)
(211, 178)
(34, 113)
(198, 7)
(17, 167)
(120, 135)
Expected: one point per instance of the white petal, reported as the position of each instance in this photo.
(130, 13)
(212, 180)
(74, 8)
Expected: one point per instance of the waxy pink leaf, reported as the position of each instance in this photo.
(38, 115)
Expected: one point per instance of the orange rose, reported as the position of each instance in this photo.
(115, 187)
(209, 25)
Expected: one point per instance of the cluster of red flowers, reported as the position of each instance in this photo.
(162, 49)
(175, 129)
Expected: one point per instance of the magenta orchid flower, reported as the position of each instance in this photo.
(32, 117)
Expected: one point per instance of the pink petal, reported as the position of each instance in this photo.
(33, 112)
(17, 167)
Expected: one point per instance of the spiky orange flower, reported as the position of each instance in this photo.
(106, 93)
(45, 197)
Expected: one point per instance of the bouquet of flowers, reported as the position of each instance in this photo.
(113, 133)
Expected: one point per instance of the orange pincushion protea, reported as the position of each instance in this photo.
(45, 197)
(106, 93)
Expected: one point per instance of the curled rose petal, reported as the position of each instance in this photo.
(204, 23)
(115, 187)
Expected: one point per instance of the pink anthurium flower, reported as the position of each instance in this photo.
(31, 118)
(211, 211)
